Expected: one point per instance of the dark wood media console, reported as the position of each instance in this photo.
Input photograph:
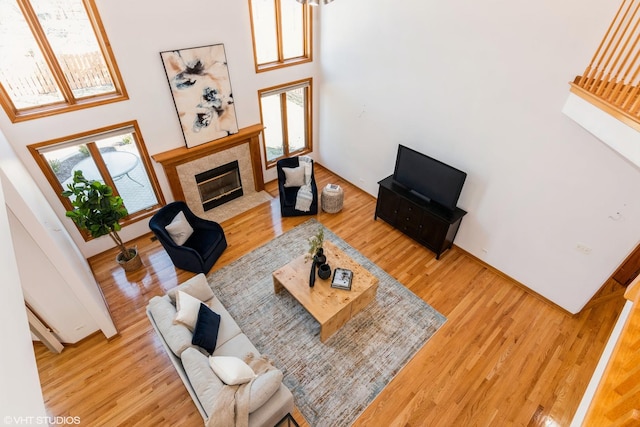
(429, 224)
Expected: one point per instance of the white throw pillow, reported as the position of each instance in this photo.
(231, 370)
(179, 229)
(188, 308)
(294, 177)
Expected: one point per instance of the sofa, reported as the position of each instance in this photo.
(269, 400)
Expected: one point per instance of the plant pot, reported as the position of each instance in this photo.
(320, 257)
(324, 271)
(132, 264)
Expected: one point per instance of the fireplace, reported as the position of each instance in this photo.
(182, 165)
(219, 185)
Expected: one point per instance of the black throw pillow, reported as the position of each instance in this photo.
(205, 333)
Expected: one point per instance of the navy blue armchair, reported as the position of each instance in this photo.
(201, 250)
(288, 194)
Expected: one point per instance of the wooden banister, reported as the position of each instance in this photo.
(613, 75)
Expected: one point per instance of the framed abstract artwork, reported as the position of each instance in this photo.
(201, 90)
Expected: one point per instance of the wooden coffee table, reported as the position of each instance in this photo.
(331, 307)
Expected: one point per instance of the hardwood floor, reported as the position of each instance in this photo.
(503, 358)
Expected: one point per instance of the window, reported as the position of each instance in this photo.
(286, 114)
(55, 58)
(281, 33)
(115, 155)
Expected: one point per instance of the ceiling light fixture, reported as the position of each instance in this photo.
(314, 2)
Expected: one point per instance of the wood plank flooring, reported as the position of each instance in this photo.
(503, 358)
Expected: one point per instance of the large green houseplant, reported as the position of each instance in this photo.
(99, 211)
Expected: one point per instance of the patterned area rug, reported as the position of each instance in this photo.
(334, 381)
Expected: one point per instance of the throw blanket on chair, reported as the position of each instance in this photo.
(304, 198)
(231, 407)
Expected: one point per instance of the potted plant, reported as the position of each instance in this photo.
(98, 211)
(315, 243)
(316, 253)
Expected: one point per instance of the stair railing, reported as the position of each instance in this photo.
(612, 80)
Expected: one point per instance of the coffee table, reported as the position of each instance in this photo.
(331, 307)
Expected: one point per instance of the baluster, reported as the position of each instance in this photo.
(603, 83)
(584, 81)
(615, 87)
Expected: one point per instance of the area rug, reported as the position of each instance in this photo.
(332, 382)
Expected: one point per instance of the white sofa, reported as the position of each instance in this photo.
(192, 363)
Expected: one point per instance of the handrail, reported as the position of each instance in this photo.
(612, 77)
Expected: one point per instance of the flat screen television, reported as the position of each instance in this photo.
(428, 178)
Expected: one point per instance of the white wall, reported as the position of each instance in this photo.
(138, 32)
(481, 85)
(55, 278)
(46, 290)
(622, 138)
(20, 394)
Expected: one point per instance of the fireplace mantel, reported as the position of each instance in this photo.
(171, 159)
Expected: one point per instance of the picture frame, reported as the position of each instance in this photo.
(201, 89)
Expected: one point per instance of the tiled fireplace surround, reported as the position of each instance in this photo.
(182, 164)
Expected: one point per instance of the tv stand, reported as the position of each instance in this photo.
(430, 224)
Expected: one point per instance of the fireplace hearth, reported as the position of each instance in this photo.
(219, 185)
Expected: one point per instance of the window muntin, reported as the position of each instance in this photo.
(281, 33)
(286, 114)
(115, 156)
(55, 58)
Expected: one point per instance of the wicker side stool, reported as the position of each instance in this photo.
(332, 201)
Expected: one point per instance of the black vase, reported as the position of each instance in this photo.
(320, 258)
(312, 277)
(324, 271)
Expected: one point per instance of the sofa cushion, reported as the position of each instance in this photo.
(205, 332)
(228, 326)
(204, 242)
(263, 387)
(197, 287)
(204, 382)
(178, 337)
(187, 308)
(179, 229)
(237, 346)
(207, 385)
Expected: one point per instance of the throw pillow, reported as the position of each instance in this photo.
(197, 287)
(179, 229)
(205, 333)
(231, 370)
(263, 387)
(188, 308)
(294, 177)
